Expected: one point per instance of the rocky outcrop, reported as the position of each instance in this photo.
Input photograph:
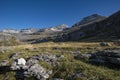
(31, 67)
(52, 59)
(36, 70)
(107, 56)
(110, 58)
(18, 64)
(58, 28)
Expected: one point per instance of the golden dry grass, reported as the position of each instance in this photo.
(58, 44)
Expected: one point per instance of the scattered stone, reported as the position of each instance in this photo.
(4, 63)
(75, 52)
(15, 56)
(31, 68)
(37, 71)
(78, 74)
(105, 44)
(31, 62)
(52, 59)
(83, 56)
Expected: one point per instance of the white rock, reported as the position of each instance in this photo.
(21, 61)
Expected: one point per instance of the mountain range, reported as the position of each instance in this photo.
(91, 28)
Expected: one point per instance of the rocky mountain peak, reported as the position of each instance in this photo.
(59, 27)
(93, 16)
(90, 19)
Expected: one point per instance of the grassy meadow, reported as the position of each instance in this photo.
(68, 65)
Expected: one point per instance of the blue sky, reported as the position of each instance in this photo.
(18, 14)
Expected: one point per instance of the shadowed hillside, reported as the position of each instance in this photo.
(96, 31)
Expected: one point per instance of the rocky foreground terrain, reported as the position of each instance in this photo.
(61, 61)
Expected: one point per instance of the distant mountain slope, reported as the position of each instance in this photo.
(57, 28)
(31, 35)
(8, 40)
(106, 29)
(89, 19)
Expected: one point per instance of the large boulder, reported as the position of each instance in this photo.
(21, 61)
(37, 71)
(18, 64)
